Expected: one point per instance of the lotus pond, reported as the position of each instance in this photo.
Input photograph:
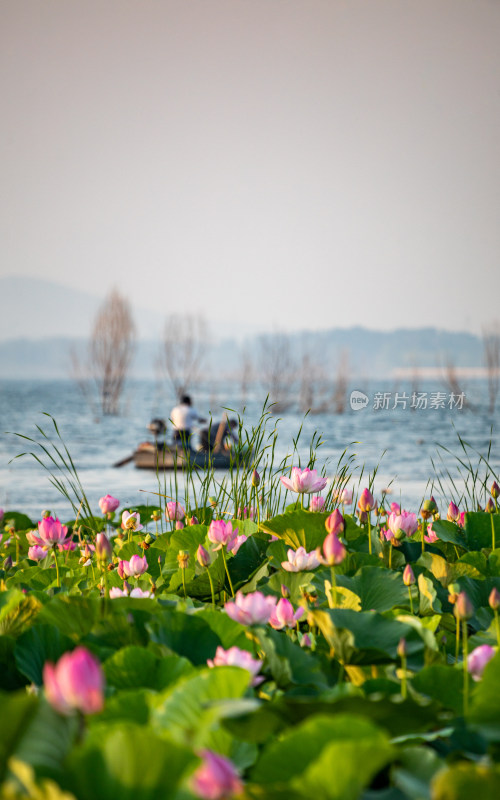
(272, 636)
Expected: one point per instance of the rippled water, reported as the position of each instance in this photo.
(401, 441)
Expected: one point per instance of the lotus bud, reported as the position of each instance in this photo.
(203, 556)
(183, 558)
(335, 523)
(333, 549)
(121, 569)
(255, 478)
(127, 587)
(366, 502)
(402, 648)
(463, 607)
(192, 521)
(408, 576)
(305, 640)
(285, 592)
(495, 490)
(453, 514)
(7, 564)
(490, 506)
(150, 538)
(477, 660)
(46, 514)
(363, 517)
(453, 592)
(494, 599)
(103, 548)
(179, 525)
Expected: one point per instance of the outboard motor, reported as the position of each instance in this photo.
(157, 427)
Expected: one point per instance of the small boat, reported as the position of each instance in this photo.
(152, 456)
(159, 455)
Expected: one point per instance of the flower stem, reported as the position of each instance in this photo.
(184, 581)
(369, 535)
(334, 587)
(423, 533)
(227, 572)
(57, 567)
(497, 627)
(211, 587)
(457, 641)
(493, 542)
(404, 689)
(411, 599)
(466, 671)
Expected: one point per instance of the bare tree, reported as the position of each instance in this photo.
(109, 354)
(246, 372)
(277, 368)
(341, 383)
(491, 348)
(184, 348)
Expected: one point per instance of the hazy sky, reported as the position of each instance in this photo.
(291, 163)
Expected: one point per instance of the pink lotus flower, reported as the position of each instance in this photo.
(304, 481)
(461, 520)
(131, 521)
(221, 533)
(477, 660)
(246, 512)
(216, 778)
(345, 497)
(251, 609)
(75, 683)
(335, 523)
(430, 536)
(108, 504)
(134, 568)
(51, 532)
(68, 545)
(116, 592)
(403, 524)
(396, 508)
(333, 549)
(36, 553)
(300, 560)
(366, 502)
(317, 503)
(174, 511)
(235, 543)
(234, 657)
(283, 615)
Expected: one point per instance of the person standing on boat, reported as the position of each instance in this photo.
(183, 417)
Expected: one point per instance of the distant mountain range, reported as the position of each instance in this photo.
(39, 327)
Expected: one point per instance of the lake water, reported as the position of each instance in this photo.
(409, 437)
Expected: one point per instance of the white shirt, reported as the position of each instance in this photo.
(183, 417)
